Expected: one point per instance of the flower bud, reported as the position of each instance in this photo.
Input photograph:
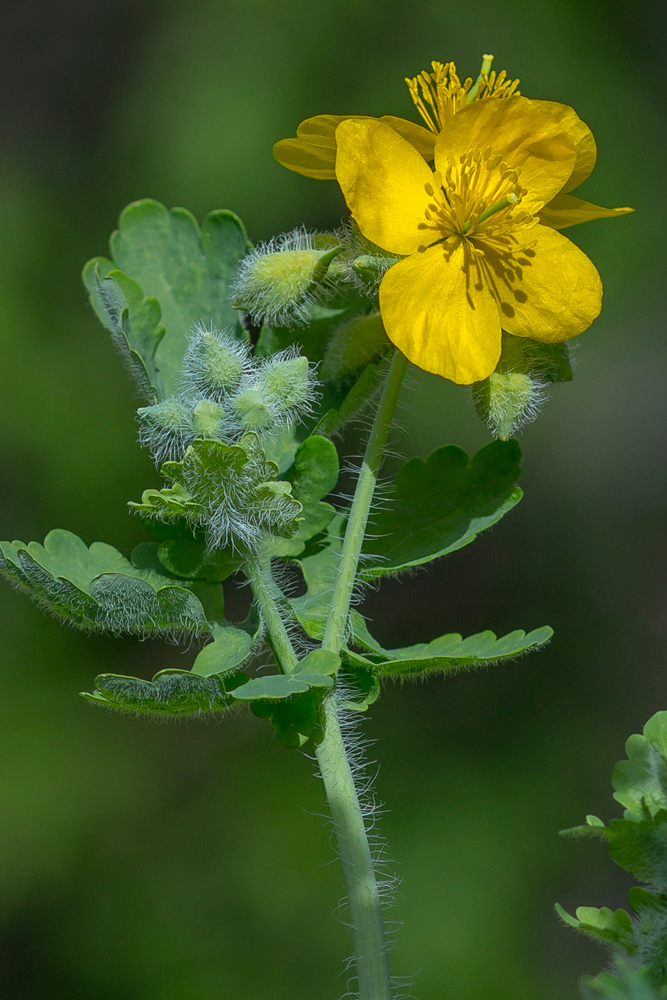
(252, 410)
(286, 383)
(505, 401)
(279, 280)
(208, 418)
(166, 428)
(214, 363)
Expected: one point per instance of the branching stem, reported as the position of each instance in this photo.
(370, 951)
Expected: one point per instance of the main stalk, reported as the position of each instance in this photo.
(370, 950)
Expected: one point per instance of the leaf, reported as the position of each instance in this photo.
(175, 693)
(448, 653)
(313, 476)
(186, 272)
(132, 320)
(603, 925)
(318, 662)
(169, 504)
(640, 782)
(439, 504)
(191, 560)
(97, 588)
(230, 648)
(361, 689)
(279, 686)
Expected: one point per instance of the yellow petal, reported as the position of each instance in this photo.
(582, 138)
(383, 180)
(313, 151)
(439, 313)
(565, 210)
(525, 133)
(417, 135)
(549, 292)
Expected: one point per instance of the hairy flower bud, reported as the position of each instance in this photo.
(208, 418)
(214, 362)
(279, 281)
(252, 410)
(166, 428)
(286, 382)
(507, 400)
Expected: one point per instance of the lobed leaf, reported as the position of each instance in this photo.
(448, 653)
(313, 476)
(170, 274)
(441, 503)
(97, 588)
(171, 693)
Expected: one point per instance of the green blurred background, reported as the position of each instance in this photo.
(189, 862)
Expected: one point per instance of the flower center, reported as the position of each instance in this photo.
(476, 199)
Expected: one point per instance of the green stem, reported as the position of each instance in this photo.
(258, 570)
(346, 574)
(370, 948)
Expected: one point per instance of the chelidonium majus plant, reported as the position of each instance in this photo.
(251, 360)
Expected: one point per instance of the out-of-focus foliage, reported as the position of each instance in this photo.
(638, 843)
(184, 852)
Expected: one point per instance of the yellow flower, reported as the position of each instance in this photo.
(478, 259)
(438, 95)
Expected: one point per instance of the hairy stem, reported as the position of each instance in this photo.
(357, 521)
(370, 951)
(258, 570)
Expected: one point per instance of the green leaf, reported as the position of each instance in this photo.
(230, 648)
(169, 504)
(175, 693)
(191, 560)
(161, 258)
(279, 686)
(319, 572)
(448, 653)
(640, 782)
(439, 504)
(362, 689)
(313, 476)
(318, 661)
(603, 925)
(98, 589)
(132, 320)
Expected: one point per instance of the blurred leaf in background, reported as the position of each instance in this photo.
(156, 863)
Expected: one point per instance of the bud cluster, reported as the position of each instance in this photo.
(210, 439)
(224, 393)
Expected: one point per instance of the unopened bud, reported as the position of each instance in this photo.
(506, 401)
(214, 363)
(286, 382)
(166, 428)
(279, 280)
(207, 418)
(252, 410)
